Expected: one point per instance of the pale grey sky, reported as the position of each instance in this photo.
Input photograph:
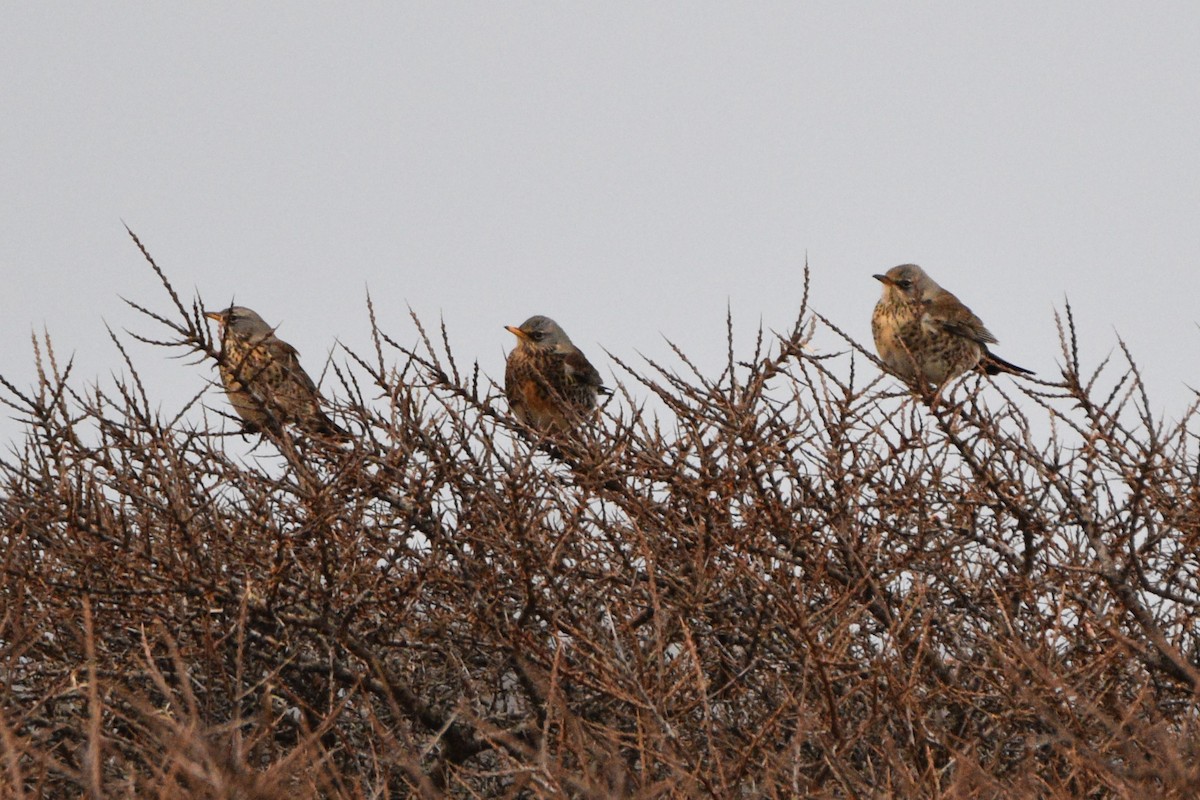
(626, 168)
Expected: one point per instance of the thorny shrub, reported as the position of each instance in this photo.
(783, 583)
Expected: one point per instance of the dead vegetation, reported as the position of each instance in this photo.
(788, 583)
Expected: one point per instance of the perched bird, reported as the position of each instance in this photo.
(925, 335)
(549, 383)
(264, 380)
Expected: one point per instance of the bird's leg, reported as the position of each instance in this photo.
(937, 395)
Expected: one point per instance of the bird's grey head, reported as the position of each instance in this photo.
(541, 333)
(241, 321)
(907, 282)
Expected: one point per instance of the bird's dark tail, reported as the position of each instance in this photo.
(994, 365)
(324, 426)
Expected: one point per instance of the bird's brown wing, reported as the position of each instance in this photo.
(299, 396)
(581, 372)
(288, 360)
(947, 311)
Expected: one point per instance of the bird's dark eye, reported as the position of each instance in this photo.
(904, 283)
(537, 336)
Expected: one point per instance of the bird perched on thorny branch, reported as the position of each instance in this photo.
(550, 384)
(925, 335)
(264, 380)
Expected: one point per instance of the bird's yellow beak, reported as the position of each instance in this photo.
(515, 331)
(215, 315)
(884, 279)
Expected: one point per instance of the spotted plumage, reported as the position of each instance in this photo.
(264, 380)
(550, 384)
(925, 335)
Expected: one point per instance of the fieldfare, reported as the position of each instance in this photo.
(549, 383)
(925, 335)
(264, 380)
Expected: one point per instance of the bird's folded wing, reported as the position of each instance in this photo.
(287, 357)
(580, 370)
(951, 315)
